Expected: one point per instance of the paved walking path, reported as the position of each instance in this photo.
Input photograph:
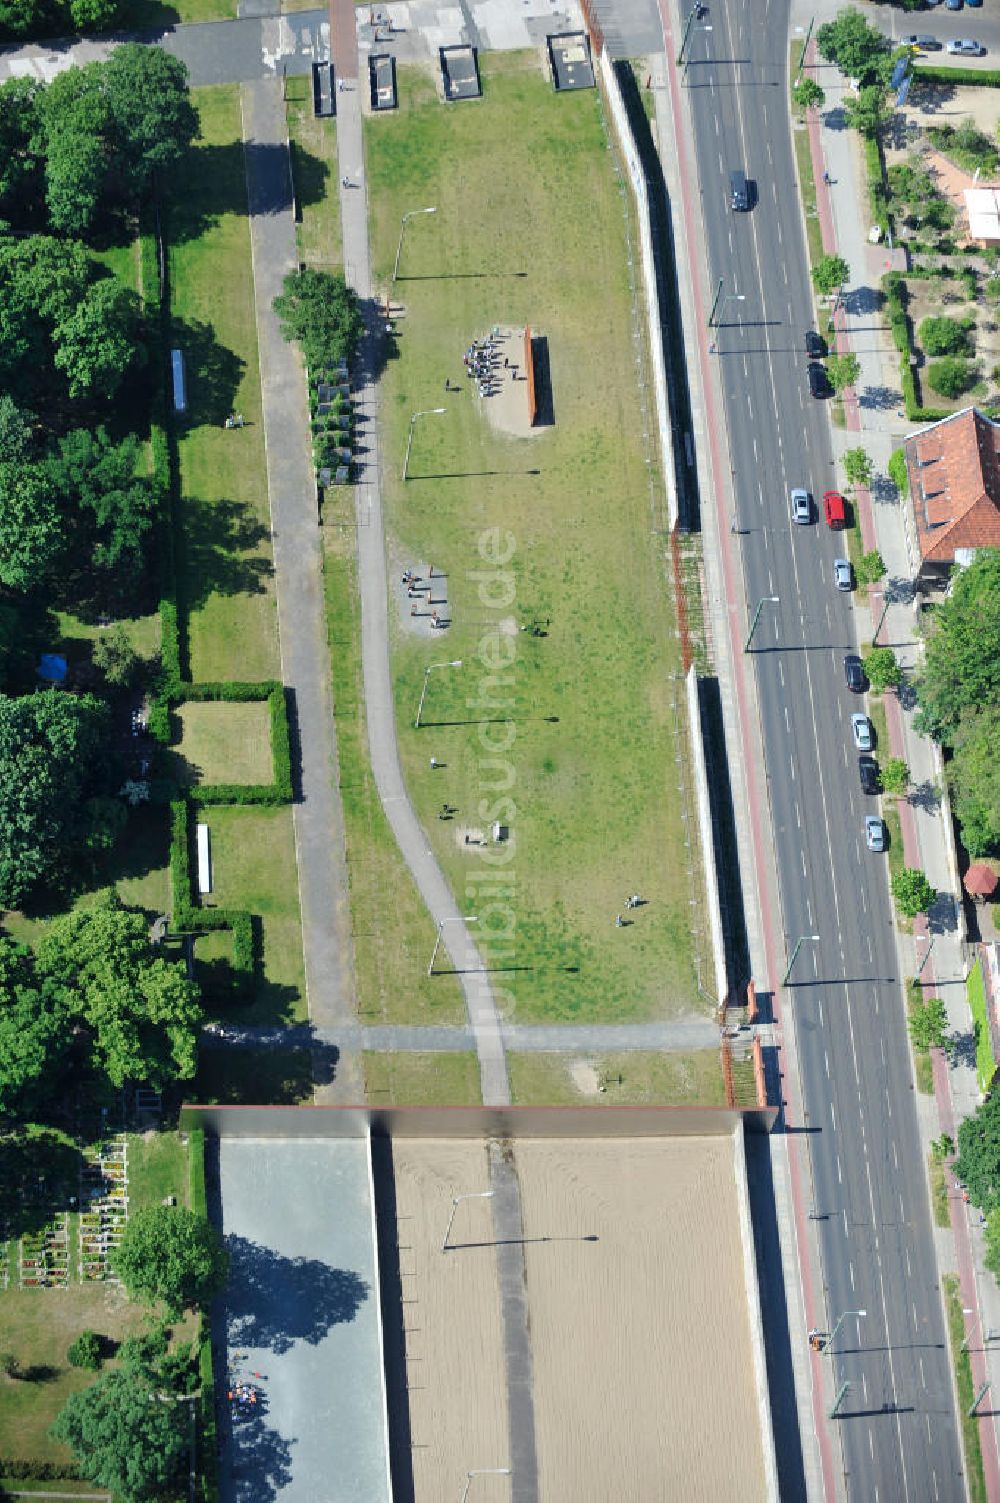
(938, 948)
(379, 706)
(298, 567)
(590, 1038)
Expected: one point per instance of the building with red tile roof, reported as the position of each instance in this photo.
(954, 473)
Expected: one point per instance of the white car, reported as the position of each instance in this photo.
(801, 505)
(966, 47)
(874, 833)
(842, 574)
(861, 729)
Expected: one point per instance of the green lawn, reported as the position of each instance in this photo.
(986, 1065)
(430, 1079)
(588, 758)
(314, 169)
(143, 15)
(253, 867)
(392, 931)
(223, 742)
(939, 1190)
(922, 1063)
(633, 1077)
(263, 1077)
(225, 557)
(974, 1475)
(157, 1167)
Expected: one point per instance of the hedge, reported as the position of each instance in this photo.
(279, 791)
(986, 78)
(196, 1172)
(189, 915)
(877, 195)
(208, 1454)
(21, 1468)
(894, 290)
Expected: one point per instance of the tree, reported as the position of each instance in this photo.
(951, 376)
(154, 121)
(32, 528)
(77, 122)
(86, 1351)
(42, 280)
(962, 659)
(978, 1162)
(944, 336)
(871, 567)
(829, 273)
(858, 466)
(22, 149)
(866, 110)
(54, 765)
(141, 1012)
(93, 15)
(808, 95)
(895, 775)
(975, 779)
(912, 892)
(860, 51)
(320, 312)
(115, 657)
(929, 1023)
(844, 371)
(882, 669)
(171, 1254)
(124, 1438)
(99, 341)
(97, 479)
(34, 1036)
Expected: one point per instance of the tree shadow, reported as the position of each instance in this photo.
(879, 399)
(39, 1176)
(219, 542)
(218, 185)
(861, 302)
(942, 917)
(309, 176)
(273, 1301)
(899, 590)
(212, 374)
(963, 1048)
(926, 796)
(261, 1464)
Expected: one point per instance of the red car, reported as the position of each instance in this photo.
(834, 510)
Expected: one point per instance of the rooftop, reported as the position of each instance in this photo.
(954, 472)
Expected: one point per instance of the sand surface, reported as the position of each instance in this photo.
(643, 1375)
(454, 1341)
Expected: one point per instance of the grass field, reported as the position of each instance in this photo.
(314, 170)
(939, 1190)
(923, 1065)
(392, 930)
(253, 867)
(142, 15)
(158, 1167)
(587, 754)
(264, 1077)
(226, 553)
(431, 1079)
(986, 1065)
(223, 743)
(974, 1474)
(632, 1078)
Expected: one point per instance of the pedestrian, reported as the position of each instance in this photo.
(826, 178)
(434, 763)
(733, 528)
(619, 922)
(345, 182)
(506, 363)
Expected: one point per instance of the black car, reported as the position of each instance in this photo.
(869, 775)
(854, 673)
(819, 386)
(815, 345)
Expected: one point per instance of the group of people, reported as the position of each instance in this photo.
(482, 363)
(243, 1399)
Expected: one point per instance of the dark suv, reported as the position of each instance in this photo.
(819, 384)
(869, 775)
(854, 673)
(815, 345)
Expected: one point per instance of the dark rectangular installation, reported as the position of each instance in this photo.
(382, 79)
(460, 72)
(324, 92)
(570, 60)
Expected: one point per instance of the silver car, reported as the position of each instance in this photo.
(874, 833)
(966, 47)
(801, 505)
(861, 729)
(842, 574)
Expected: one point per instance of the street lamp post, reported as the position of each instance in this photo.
(428, 412)
(885, 612)
(764, 600)
(784, 981)
(470, 1195)
(469, 918)
(455, 663)
(927, 953)
(402, 230)
(840, 1321)
(687, 55)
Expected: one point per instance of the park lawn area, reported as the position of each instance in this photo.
(157, 1167)
(254, 868)
(392, 931)
(258, 1077)
(225, 554)
(152, 15)
(430, 1079)
(986, 1065)
(632, 1077)
(314, 170)
(38, 1326)
(223, 742)
(584, 767)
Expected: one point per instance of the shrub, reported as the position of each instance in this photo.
(944, 336)
(895, 775)
(882, 669)
(86, 1351)
(912, 892)
(951, 376)
(871, 567)
(897, 472)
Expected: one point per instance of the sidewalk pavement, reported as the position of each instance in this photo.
(938, 949)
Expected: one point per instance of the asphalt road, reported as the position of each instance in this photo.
(898, 1426)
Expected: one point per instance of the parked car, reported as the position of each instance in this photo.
(923, 43)
(834, 510)
(842, 576)
(861, 730)
(953, 4)
(854, 673)
(869, 775)
(801, 505)
(974, 4)
(966, 47)
(874, 833)
(815, 345)
(819, 382)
